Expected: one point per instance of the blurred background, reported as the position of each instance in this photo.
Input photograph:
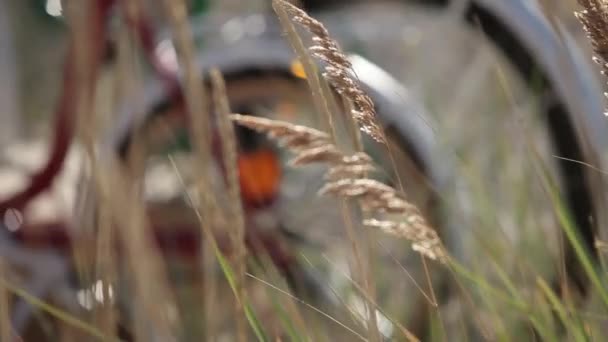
(35, 43)
(479, 108)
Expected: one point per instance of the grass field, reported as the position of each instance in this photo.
(365, 261)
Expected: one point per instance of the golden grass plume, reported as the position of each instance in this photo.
(594, 18)
(338, 71)
(345, 179)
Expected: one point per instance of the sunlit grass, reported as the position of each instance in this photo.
(502, 289)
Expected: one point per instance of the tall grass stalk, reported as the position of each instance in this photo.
(236, 218)
(106, 317)
(569, 227)
(311, 70)
(81, 19)
(285, 308)
(361, 114)
(407, 334)
(312, 307)
(573, 327)
(224, 264)
(60, 315)
(198, 112)
(153, 301)
(125, 79)
(5, 306)
(323, 106)
(197, 106)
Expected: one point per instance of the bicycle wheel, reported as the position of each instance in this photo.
(482, 66)
(524, 40)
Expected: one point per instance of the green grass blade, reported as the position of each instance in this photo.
(57, 313)
(569, 228)
(286, 321)
(574, 328)
(249, 312)
(484, 285)
(533, 316)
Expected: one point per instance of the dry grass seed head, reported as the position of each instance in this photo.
(373, 195)
(349, 171)
(338, 72)
(325, 153)
(595, 23)
(345, 179)
(424, 241)
(294, 137)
